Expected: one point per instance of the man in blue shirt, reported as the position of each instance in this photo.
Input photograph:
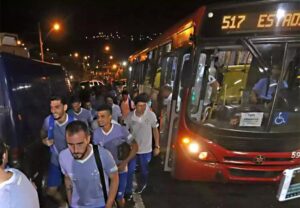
(53, 136)
(261, 92)
(80, 113)
(110, 136)
(82, 177)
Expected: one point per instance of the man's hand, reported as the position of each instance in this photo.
(156, 151)
(122, 166)
(48, 142)
(109, 204)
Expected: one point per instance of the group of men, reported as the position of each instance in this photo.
(70, 137)
(87, 155)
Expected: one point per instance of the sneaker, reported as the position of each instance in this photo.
(141, 189)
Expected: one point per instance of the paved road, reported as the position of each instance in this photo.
(165, 192)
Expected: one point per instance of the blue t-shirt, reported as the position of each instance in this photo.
(59, 137)
(260, 88)
(84, 115)
(18, 192)
(112, 139)
(84, 174)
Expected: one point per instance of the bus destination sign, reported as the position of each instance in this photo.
(275, 20)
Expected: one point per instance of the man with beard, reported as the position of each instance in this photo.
(78, 164)
(53, 136)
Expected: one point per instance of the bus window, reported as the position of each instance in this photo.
(169, 68)
(185, 61)
(233, 90)
(286, 115)
(195, 108)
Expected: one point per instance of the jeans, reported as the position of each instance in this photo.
(143, 160)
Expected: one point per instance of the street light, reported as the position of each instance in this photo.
(55, 27)
(107, 48)
(76, 55)
(111, 57)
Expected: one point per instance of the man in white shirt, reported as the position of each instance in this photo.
(142, 124)
(15, 188)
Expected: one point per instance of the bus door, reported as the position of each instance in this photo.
(165, 76)
(173, 77)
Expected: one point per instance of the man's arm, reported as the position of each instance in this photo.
(156, 141)
(69, 188)
(44, 137)
(113, 188)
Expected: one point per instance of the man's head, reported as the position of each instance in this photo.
(78, 139)
(3, 154)
(166, 91)
(109, 101)
(88, 105)
(140, 102)
(58, 107)
(104, 113)
(76, 104)
(124, 95)
(276, 71)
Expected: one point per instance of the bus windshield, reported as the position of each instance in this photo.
(247, 89)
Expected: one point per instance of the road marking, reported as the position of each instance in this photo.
(138, 201)
(137, 198)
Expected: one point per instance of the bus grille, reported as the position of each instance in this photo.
(255, 174)
(258, 144)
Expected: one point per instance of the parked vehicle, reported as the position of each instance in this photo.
(26, 86)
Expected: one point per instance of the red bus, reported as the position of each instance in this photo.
(240, 96)
(157, 64)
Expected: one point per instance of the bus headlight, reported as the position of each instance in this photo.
(197, 151)
(194, 148)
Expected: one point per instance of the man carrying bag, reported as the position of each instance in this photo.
(119, 142)
(87, 170)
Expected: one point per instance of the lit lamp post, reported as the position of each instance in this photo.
(107, 48)
(55, 27)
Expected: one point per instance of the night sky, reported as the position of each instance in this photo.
(83, 18)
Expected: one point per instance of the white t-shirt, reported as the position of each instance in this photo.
(18, 192)
(141, 129)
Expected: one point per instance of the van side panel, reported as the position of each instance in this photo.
(30, 85)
